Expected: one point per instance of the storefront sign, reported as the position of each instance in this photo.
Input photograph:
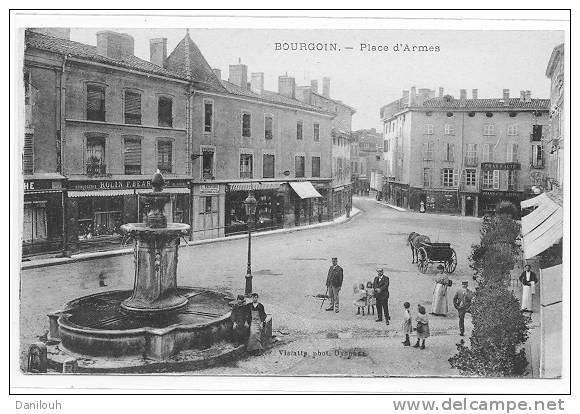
(209, 188)
(121, 184)
(505, 194)
(489, 166)
(35, 185)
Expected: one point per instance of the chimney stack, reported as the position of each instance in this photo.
(463, 94)
(474, 93)
(287, 86)
(326, 87)
(441, 92)
(413, 96)
(257, 82)
(239, 75)
(314, 86)
(114, 45)
(528, 96)
(522, 96)
(218, 73)
(158, 51)
(506, 95)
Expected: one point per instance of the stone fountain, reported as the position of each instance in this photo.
(156, 326)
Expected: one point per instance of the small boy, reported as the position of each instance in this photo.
(407, 323)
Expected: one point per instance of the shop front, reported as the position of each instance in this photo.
(96, 209)
(307, 202)
(42, 230)
(208, 207)
(341, 198)
(489, 199)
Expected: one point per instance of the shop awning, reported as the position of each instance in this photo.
(543, 227)
(170, 190)
(532, 202)
(305, 189)
(551, 280)
(100, 193)
(254, 186)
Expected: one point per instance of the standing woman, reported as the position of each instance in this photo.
(439, 304)
(256, 318)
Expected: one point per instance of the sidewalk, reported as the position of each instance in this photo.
(35, 263)
(390, 205)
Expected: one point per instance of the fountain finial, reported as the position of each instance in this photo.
(157, 182)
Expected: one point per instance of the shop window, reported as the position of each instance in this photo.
(268, 161)
(96, 156)
(132, 156)
(299, 166)
(470, 177)
(165, 157)
(448, 177)
(316, 132)
(165, 112)
(99, 216)
(35, 226)
(207, 116)
(95, 103)
(207, 164)
(489, 129)
(132, 108)
(299, 126)
(268, 127)
(315, 166)
(246, 125)
(208, 205)
(427, 177)
(471, 155)
(246, 166)
(28, 155)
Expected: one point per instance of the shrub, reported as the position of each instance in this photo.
(506, 209)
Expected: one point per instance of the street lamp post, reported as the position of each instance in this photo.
(250, 204)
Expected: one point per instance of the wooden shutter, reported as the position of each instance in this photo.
(95, 98)
(132, 107)
(164, 156)
(28, 154)
(165, 112)
(455, 177)
(208, 115)
(496, 179)
(441, 179)
(132, 151)
(268, 166)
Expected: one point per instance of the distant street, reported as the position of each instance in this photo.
(288, 270)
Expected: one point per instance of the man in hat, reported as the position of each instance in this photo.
(333, 284)
(381, 289)
(462, 302)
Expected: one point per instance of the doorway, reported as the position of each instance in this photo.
(469, 206)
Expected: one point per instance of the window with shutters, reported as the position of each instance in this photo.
(34, 220)
(316, 132)
(246, 166)
(246, 124)
(470, 177)
(537, 132)
(165, 112)
(537, 156)
(207, 115)
(299, 166)
(496, 179)
(268, 127)
(28, 155)
(315, 166)
(95, 156)
(512, 153)
(132, 108)
(428, 129)
(471, 155)
(488, 129)
(207, 163)
(132, 156)
(513, 130)
(487, 153)
(165, 156)
(95, 103)
(428, 151)
(427, 177)
(299, 126)
(268, 162)
(512, 180)
(448, 177)
(449, 129)
(449, 150)
(487, 179)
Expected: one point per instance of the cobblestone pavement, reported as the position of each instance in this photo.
(289, 270)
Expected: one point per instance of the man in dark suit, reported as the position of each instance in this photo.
(334, 283)
(529, 281)
(381, 290)
(462, 302)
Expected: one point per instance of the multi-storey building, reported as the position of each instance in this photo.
(462, 155)
(368, 168)
(555, 145)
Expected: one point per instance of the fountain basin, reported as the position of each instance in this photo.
(99, 326)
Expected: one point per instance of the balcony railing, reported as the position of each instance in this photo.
(96, 169)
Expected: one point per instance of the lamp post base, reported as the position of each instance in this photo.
(248, 290)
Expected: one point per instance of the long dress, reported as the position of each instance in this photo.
(371, 300)
(407, 325)
(422, 326)
(439, 304)
(360, 298)
(255, 338)
(527, 292)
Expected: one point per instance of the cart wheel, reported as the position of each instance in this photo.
(451, 263)
(423, 260)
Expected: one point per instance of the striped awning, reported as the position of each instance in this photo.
(100, 193)
(535, 201)
(254, 186)
(305, 189)
(543, 227)
(170, 190)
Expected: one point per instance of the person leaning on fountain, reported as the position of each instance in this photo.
(256, 318)
(238, 317)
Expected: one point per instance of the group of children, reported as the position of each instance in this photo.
(364, 298)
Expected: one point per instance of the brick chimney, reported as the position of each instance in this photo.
(60, 32)
(441, 92)
(413, 96)
(522, 96)
(257, 82)
(158, 51)
(474, 93)
(528, 96)
(114, 45)
(218, 73)
(239, 75)
(314, 85)
(326, 87)
(287, 86)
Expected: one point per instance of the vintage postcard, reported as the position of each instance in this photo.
(290, 196)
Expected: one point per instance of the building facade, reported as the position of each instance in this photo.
(462, 155)
(555, 145)
(369, 165)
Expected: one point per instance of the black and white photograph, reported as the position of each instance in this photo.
(290, 198)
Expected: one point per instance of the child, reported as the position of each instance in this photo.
(360, 298)
(371, 301)
(422, 327)
(407, 323)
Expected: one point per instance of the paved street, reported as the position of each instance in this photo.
(288, 270)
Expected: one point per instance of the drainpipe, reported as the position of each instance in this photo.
(61, 128)
(189, 114)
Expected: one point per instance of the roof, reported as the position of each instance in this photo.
(494, 103)
(88, 52)
(270, 97)
(335, 101)
(188, 61)
(554, 57)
